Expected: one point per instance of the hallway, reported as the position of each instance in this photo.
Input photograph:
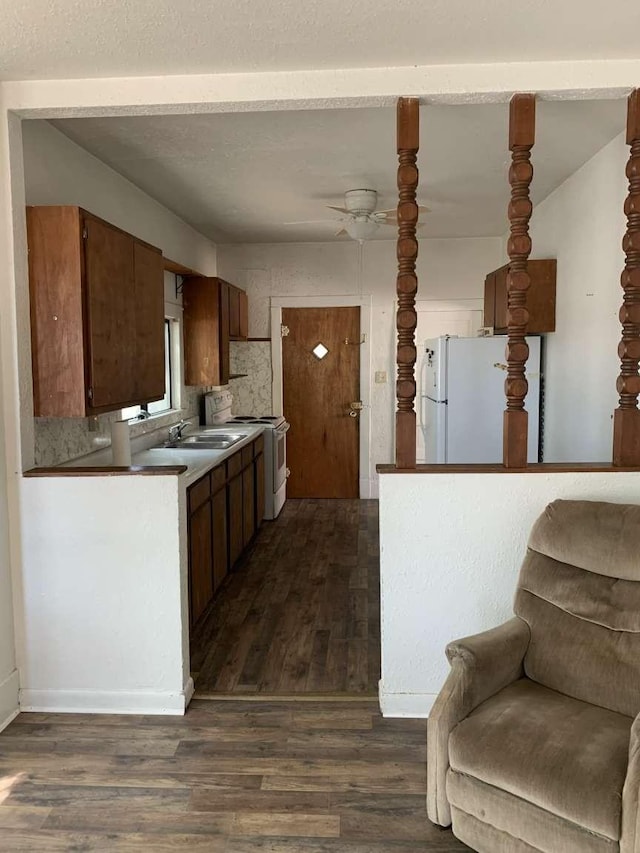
(302, 613)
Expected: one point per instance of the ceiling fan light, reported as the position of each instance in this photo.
(361, 229)
(361, 201)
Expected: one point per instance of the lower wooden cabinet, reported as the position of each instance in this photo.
(235, 521)
(220, 538)
(200, 551)
(248, 502)
(225, 508)
(259, 483)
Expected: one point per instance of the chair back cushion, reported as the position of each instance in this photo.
(579, 592)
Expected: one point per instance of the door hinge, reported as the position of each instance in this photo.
(284, 331)
(90, 393)
(85, 233)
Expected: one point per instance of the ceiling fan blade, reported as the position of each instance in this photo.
(339, 209)
(421, 209)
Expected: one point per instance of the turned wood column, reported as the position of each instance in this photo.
(626, 418)
(408, 119)
(522, 124)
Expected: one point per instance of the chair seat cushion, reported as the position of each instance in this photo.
(559, 753)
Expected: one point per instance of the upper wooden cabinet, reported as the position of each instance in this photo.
(215, 312)
(97, 314)
(238, 313)
(541, 298)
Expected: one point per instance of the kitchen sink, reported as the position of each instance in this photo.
(208, 441)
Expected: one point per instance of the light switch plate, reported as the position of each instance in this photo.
(381, 377)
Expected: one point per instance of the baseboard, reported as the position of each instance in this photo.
(415, 705)
(105, 702)
(189, 690)
(9, 706)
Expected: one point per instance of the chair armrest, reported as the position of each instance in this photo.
(630, 832)
(481, 665)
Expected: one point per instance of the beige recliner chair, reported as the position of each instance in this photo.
(534, 740)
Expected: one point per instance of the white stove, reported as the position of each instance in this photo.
(217, 412)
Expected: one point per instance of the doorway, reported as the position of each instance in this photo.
(366, 485)
(321, 400)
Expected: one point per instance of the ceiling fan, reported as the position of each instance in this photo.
(360, 218)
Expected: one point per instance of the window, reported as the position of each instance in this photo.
(156, 407)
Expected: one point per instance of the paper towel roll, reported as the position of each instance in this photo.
(120, 444)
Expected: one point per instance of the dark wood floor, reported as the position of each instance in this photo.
(229, 777)
(302, 613)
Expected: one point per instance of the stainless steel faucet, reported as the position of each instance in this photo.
(175, 432)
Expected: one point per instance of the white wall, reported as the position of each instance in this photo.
(104, 591)
(8, 671)
(451, 548)
(447, 269)
(57, 171)
(581, 224)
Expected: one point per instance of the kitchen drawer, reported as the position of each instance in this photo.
(247, 455)
(199, 493)
(218, 478)
(258, 446)
(234, 464)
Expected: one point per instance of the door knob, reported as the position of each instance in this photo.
(356, 408)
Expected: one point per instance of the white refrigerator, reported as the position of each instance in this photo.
(460, 399)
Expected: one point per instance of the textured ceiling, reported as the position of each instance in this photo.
(240, 177)
(44, 39)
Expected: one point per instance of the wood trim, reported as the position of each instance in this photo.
(537, 468)
(178, 269)
(108, 471)
(522, 129)
(259, 339)
(626, 418)
(408, 142)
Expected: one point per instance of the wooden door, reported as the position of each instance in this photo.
(111, 319)
(149, 317)
(318, 389)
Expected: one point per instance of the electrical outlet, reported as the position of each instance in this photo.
(381, 377)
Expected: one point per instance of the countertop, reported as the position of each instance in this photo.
(196, 462)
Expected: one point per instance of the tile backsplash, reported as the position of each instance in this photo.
(251, 393)
(58, 440)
